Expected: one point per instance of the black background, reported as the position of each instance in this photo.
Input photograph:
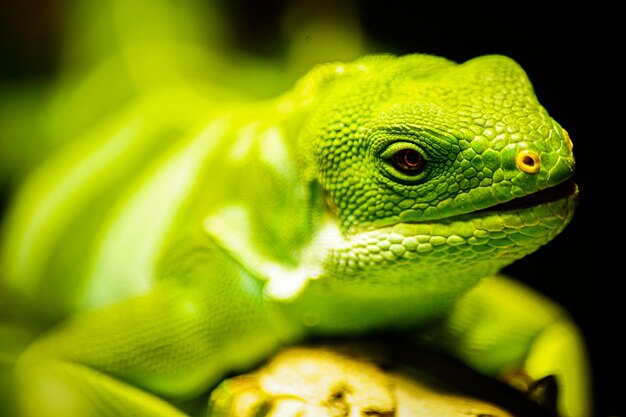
(572, 55)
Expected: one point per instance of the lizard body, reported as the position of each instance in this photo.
(158, 255)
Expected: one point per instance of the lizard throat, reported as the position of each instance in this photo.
(410, 256)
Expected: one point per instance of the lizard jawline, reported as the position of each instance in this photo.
(562, 190)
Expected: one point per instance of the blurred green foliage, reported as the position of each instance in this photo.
(99, 56)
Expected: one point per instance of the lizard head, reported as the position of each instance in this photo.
(437, 170)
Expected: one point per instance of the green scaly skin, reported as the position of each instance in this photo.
(160, 254)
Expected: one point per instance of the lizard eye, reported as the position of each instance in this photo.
(408, 161)
(404, 162)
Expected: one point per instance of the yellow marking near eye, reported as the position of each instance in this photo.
(528, 161)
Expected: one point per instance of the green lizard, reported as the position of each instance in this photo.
(160, 254)
(181, 239)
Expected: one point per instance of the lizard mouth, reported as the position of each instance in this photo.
(563, 193)
(563, 190)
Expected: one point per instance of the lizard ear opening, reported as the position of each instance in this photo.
(321, 200)
(330, 205)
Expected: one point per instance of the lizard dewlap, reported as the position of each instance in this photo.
(167, 249)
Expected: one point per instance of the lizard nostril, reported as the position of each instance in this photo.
(528, 161)
(568, 140)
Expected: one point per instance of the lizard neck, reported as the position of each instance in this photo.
(339, 292)
(329, 308)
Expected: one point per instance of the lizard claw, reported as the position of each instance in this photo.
(543, 391)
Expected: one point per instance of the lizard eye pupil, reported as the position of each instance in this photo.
(408, 161)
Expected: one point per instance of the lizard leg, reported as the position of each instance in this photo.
(142, 355)
(508, 330)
